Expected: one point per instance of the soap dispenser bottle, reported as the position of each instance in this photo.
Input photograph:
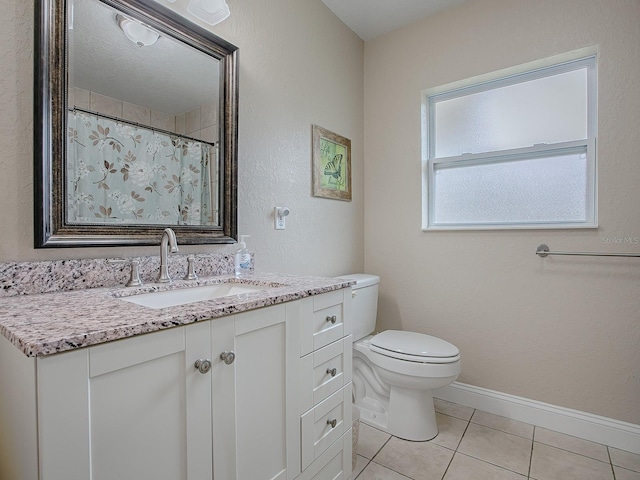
(243, 259)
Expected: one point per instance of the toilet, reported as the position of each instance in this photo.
(394, 372)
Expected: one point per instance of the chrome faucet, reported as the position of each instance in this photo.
(168, 241)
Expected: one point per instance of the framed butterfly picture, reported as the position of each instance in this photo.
(331, 160)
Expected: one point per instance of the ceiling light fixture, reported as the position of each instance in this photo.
(209, 11)
(137, 32)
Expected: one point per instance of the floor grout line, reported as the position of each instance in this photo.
(383, 445)
(508, 433)
(444, 474)
(533, 442)
(613, 470)
(576, 453)
(494, 464)
(462, 436)
(493, 428)
(392, 470)
(456, 450)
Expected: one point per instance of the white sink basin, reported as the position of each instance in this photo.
(183, 296)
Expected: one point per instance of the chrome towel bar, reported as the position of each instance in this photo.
(543, 251)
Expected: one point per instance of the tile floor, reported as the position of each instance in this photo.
(475, 445)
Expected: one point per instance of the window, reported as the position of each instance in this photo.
(517, 152)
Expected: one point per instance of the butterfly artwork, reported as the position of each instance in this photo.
(331, 159)
(333, 169)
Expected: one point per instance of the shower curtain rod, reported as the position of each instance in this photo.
(543, 251)
(141, 125)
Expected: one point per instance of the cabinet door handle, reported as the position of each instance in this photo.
(333, 423)
(332, 318)
(203, 365)
(228, 357)
(332, 371)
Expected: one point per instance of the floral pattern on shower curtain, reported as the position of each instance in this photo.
(124, 173)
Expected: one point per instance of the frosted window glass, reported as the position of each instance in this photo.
(538, 190)
(545, 110)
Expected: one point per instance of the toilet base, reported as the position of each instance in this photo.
(411, 415)
(373, 418)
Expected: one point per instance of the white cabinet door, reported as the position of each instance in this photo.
(223, 399)
(131, 409)
(265, 391)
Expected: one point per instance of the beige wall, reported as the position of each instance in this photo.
(299, 65)
(561, 330)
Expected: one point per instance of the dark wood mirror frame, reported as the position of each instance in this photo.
(50, 127)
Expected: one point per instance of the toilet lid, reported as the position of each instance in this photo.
(413, 344)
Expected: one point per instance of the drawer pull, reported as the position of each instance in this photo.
(228, 357)
(332, 371)
(203, 365)
(332, 318)
(333, 423)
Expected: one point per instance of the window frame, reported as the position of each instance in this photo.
(430, 162)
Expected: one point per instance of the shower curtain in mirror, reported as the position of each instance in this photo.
(124, 173)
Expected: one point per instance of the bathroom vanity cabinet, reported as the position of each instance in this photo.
(262, 394)
(325, 383)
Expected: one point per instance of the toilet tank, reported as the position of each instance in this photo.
(364, 306)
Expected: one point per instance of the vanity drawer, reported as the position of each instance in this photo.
(334, 463)
(328, 326)
(324, 424)
(324, 372)
(325, 319)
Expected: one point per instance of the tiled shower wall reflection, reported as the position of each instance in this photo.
(200, 123)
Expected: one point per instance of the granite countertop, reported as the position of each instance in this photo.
(44, 324)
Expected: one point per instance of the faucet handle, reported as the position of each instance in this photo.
(191, 274)
(134, 277)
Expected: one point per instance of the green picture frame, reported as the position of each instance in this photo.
(331, 164)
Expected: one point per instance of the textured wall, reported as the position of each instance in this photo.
(299, 65)
(561, 330)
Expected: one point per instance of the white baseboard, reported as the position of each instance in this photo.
(607, 431)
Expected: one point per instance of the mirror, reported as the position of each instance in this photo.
(135, 126)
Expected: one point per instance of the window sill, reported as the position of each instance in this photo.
(537, 226)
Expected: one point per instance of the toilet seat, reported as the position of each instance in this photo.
(414, 347)
(424, 367)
